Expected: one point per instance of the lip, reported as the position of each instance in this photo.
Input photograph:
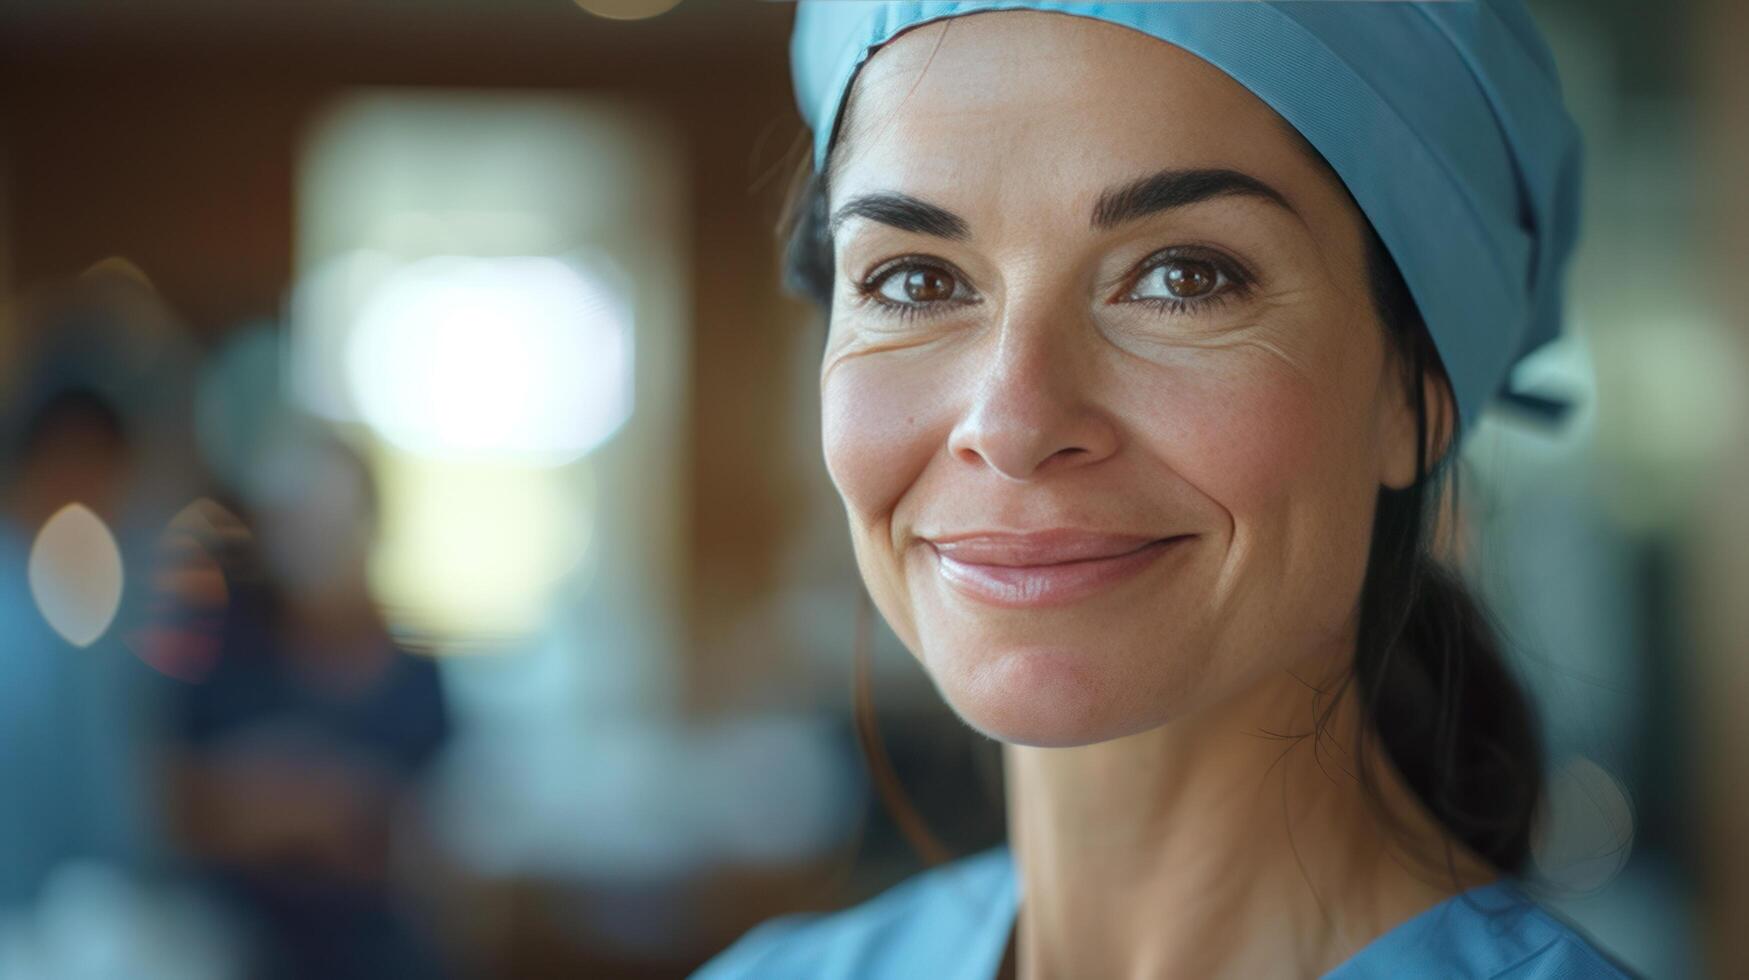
(1043, 568)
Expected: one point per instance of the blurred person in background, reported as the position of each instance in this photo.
(74, 448)
(297, 757)
(93, 359)
(1145, 367)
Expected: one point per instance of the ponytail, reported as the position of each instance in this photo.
(1429, 665)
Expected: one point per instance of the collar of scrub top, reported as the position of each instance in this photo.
(1443, 117)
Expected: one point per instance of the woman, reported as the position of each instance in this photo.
(1153, 327)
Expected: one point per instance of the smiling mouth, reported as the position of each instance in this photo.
(1023, 571)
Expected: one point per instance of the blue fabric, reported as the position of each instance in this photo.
(75, 776)
(953, 923)
(1445, 120)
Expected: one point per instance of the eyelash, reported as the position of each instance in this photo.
(869, 287)
(1237, 283)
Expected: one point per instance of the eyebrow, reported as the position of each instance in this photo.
(904, 212)
(1137, 199)
(1170, 189)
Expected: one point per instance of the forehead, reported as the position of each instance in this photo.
(1020, 97)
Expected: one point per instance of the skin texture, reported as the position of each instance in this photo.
(1160, 828)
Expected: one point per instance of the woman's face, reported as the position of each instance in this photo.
(1105, 393)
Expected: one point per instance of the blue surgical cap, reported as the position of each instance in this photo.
(1444, 119)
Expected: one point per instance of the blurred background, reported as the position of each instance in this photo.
(415, 558)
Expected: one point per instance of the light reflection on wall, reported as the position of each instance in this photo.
(478, 550)
(500, 319)
(526, 358)
(499, 314)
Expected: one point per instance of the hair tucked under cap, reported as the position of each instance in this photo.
(1444, 119)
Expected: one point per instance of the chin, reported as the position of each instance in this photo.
(1046, 697)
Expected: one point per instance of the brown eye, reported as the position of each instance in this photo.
(928, 285)
(1182, 279)
(1189, 278)
(919, 285)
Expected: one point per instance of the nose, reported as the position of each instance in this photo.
(1034, 407)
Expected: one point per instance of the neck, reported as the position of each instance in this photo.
(1210, 847)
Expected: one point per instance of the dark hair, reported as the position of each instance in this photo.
(75, 406)
(1429, 668)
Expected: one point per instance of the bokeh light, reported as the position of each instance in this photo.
(188, 595)
(238, 401)
(476, 551)
(627, 9)
(526, 358)
(76, 574)
(1587, 831)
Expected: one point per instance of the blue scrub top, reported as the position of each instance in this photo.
(953, 922)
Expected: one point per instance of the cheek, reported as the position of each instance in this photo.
(1283, 420)
(1286, 458)
(880, 425)
(1243, 435)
